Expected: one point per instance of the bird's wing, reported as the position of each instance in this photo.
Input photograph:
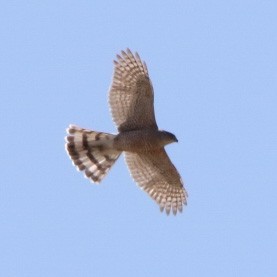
(154, 173)
(131, 95)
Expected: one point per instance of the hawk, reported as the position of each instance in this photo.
(131, 100)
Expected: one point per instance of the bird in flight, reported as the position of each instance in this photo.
(131, 99)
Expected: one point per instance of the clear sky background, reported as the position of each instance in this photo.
(214, 69)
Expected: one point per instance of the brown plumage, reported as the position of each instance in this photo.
(131, 100)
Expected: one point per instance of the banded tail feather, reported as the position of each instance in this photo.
(91, 152)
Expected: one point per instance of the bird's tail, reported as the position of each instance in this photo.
(91, 152)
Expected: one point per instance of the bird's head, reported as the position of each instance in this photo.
(168, 137)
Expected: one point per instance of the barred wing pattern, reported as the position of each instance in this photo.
(90, 152)
(156, 175)
(131, 95)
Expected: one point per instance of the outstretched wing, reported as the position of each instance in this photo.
(131, 94)
(154, 172)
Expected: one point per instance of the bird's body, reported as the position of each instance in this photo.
(131, 100)
(144, 140)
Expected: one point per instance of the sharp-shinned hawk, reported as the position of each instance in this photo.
(131, 100)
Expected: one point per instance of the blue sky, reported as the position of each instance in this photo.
(213, 65)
